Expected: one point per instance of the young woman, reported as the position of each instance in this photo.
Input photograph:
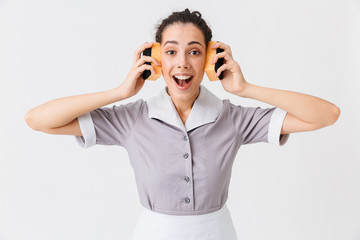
(183, 141)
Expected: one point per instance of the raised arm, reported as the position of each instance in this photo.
(304, 112)
(63, 111)
(59, 116)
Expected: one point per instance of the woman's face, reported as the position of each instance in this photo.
(183, 60)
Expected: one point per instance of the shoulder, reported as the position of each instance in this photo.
(231, 107)
(131, 105)
(129, 108)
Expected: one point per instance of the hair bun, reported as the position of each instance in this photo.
(196, 13)
(185, 16)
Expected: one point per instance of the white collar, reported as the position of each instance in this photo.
(205, 110)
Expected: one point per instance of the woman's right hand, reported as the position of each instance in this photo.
(134, 80)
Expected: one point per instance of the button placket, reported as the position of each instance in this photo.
(188, 194)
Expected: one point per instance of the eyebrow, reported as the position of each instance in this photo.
(190, 43)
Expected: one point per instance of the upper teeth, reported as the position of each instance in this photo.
(183, 77)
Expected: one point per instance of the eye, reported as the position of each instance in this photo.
(195, 52)
(170, 52)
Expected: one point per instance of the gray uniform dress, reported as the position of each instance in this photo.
(182, 169)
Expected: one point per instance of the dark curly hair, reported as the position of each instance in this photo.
(184, 17)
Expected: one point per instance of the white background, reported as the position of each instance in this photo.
(50, 188)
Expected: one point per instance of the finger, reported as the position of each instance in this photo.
(144, 67)
(144, 59)
(222, 46)
(138, 51)
(224, 55)
(221, 69)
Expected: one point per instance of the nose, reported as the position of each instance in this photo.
(182, 61)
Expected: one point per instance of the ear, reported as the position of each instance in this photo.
(211, 69)
(155, 52)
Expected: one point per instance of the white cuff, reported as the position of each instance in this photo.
(88, 138)
(275, 125)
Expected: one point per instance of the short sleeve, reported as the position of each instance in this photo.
(108, 125)
(255, 124)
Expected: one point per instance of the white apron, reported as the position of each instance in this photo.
(216, 225)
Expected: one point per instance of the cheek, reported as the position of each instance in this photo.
(165, 66)
(200, 66)
(199, 62)
(165, 70)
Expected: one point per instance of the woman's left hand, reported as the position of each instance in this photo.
(233, 80)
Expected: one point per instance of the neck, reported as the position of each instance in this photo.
(184, 106)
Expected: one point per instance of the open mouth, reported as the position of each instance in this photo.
(183, 81)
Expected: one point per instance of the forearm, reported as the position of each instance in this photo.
(305, 107)
(60, 111)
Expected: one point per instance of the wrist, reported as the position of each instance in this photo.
(244, 91)
(117, 94)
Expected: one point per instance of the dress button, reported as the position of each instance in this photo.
(185, 137)
(187, 179)
(187, 200)
(186, 155)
